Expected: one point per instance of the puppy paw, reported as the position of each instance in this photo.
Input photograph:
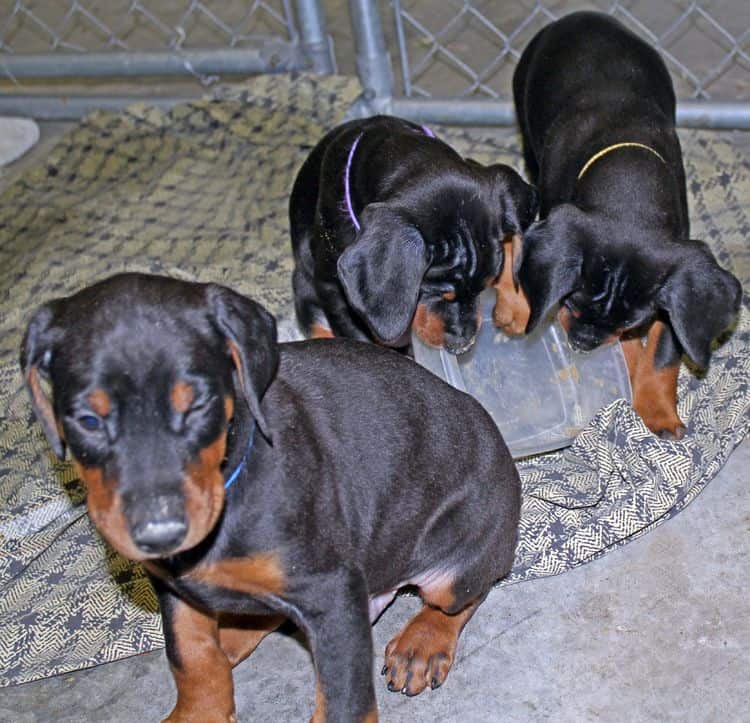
(660, 416)
(510, 320)
(512, 311)
(420, 656)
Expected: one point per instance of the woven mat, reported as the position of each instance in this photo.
(201, 192)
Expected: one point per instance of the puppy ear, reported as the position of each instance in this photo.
(251, 336)
(701, 299)
(519, 200)
(36, 358)
(382, 271)
(548, 262)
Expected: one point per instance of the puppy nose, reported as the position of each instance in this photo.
(159, 536)
(157, 523)
(459, 346)
(583, 344)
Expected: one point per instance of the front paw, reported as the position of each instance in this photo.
(661, 419)
(417, 658)
(512, 311)
(510, 320)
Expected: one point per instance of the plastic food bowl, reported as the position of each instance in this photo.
(537, 389)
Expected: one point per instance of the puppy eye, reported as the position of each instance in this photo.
(90, 422)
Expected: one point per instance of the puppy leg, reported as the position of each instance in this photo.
(311, 317)
(422, 653)
(239, 635)
(654, 389)
(512, 309)
(337, 623)
(201, 670)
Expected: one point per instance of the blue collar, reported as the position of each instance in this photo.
(243, 461)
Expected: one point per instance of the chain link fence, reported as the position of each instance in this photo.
(455, 59)
(468, 49)
(112, 40)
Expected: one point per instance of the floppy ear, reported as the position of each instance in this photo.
(700, 298)
(519, 200)
(548, 262)
(251, 335)
(36, 357)
(382, 271)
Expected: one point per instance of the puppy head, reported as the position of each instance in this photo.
(146, 373)
(423, 264)
(609, 283)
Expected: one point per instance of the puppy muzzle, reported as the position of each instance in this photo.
(158, 524)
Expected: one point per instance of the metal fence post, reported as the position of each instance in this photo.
(316, 43)
(373, 59)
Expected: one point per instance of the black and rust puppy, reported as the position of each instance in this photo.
(391, 228)
(260, 481)
(596, 109)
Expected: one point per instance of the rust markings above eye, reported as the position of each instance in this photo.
(449, 296)
(182, 396)
(100, 402)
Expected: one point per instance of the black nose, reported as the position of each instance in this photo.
(459, 346)
(157, 523)
(159, 536)
(584, 343)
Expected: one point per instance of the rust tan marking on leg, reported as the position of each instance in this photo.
(228, 408)
(428, 326)
(319, 716)
(204, 491)
(105, 509)
(261, 574)
(318, 331)
(654, 390)
(182, 396)
(512, 311)
(100, 402)
(239, 635)
(203, 675)
(421, 655)
(371, 717)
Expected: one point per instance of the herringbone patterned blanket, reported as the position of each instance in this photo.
(201, 193)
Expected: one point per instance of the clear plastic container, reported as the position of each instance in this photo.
(537, 389)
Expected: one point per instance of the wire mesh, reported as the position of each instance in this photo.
(28, 26)
(462, 49)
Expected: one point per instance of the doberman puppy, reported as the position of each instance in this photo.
(259, 481)
(596, 109)
(392, 229)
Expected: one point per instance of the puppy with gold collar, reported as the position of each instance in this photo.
(596, 109)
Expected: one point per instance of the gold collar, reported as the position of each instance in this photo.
(614, 147)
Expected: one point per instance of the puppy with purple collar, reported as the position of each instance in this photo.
(393, 230)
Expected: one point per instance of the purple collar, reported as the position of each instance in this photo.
(347, 190)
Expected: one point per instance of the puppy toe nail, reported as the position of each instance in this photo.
(384, 671)
(434, 684)
(391, 687)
